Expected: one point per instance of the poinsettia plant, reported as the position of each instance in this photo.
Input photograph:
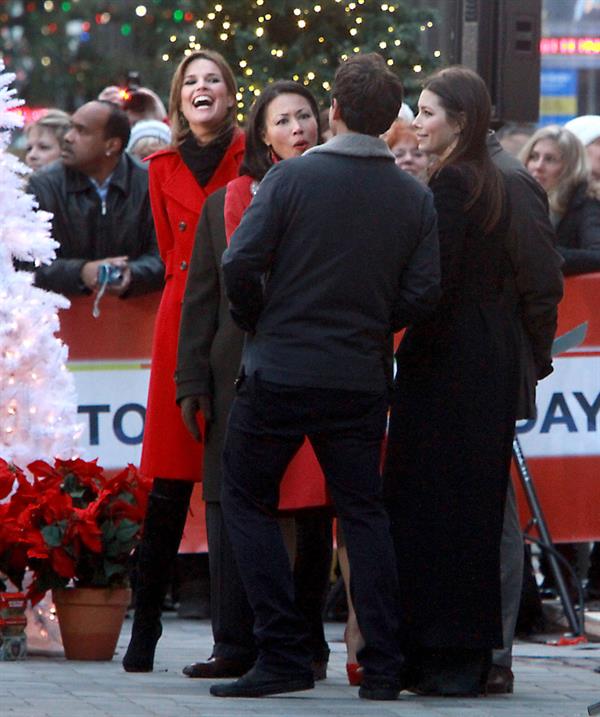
(70, 521)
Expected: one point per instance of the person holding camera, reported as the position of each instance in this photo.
(99, 199)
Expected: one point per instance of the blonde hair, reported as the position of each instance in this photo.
(575, 170)
(179, 124)
(55, 121)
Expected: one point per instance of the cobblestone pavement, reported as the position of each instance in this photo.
(553, 681)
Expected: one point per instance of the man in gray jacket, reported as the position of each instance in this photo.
(337, 251)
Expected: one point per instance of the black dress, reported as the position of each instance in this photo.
(450, 437)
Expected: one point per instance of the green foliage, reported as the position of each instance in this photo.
(262, 39)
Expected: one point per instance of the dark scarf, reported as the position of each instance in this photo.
(203, 159)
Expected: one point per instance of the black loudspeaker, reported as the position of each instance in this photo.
(500, 39)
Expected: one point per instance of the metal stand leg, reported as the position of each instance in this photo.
(546, 540)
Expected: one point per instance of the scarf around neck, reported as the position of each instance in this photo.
(203, 159)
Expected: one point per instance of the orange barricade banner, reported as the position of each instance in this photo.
(110, 360)
(562, 445)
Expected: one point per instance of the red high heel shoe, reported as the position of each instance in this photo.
(355, 673)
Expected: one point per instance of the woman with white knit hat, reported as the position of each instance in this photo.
(587, 130)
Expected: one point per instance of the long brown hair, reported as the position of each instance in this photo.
(179, 124)
(466, 101)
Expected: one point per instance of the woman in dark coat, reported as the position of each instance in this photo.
(206, 153)
(557, 159)
(283, 123)
(453, 408)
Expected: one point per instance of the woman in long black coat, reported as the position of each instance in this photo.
(453, 408)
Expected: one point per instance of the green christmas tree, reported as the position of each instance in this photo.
(68, 51)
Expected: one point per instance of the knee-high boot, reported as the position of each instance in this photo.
(163, 527)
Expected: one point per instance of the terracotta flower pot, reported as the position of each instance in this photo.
(90, 620)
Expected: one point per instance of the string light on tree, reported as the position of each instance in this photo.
(278, 39)
(38, 413)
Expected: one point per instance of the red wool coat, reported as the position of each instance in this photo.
(168, 450)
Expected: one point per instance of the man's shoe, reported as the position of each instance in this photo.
(258, 682)
(378, 691)
(216, 667)
(500, 681)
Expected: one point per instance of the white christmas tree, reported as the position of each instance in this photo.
(38, 415)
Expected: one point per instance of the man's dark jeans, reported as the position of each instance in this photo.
(267, 426)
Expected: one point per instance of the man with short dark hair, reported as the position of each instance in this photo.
(98, 196)
(337, 251)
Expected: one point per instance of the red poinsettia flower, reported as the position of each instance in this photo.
(71, 521)
(7, 478)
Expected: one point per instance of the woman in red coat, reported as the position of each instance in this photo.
(206, 152)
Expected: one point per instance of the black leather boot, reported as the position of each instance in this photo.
(163, 527)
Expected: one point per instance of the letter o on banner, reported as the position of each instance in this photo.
(118, 423)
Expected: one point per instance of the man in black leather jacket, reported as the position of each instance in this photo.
(99, 198)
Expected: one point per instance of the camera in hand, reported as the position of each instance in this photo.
(109, 274)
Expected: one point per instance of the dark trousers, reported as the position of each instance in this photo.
(232, 619)
(267, 425)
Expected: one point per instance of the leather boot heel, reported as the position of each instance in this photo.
(142, 646)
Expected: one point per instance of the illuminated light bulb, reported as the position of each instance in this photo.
(141, 10)
(242, 63)
(260, 2)
(302, 24)
(218, 8)
(422, 28)
(173, 38)
(321, 39)
(430, 24)
(268, 16)
(261, 19)
(326, 85)
(238, 96)
(358, 20)
(383, 44)
(223, 36)
(256, 92)
(240, 117)
(417, 68)
(437, 53)
(48, 6)
(200, 24)
(384, 7)
(240, 105)
(317, 8)
(356, 49)
(397, 43)
(295, 78)
(390, 61)
(297, 11)
(353, 31)
(248, 71)
(211, 16)
(165, 58)
(279, 53)
(226, 25)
